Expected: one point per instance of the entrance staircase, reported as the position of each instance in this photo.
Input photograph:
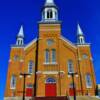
(66, 98)
(85, 98)
(51, 98)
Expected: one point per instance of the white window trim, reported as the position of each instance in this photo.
(29, 68)
(53, 51)
(70, 67)
(11, 87)
(87, 86)
(50, 63)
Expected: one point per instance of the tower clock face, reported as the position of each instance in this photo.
(50, 42)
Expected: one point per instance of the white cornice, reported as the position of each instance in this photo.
(69, 42)
(83, 45)
(32, 42)
(50, 72)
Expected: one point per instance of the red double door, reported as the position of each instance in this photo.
(50, 89)
(71, 92)
(29, 92)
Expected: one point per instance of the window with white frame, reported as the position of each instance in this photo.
(47, 56)
(70, 66)
(88, 81)
(53, 56)
(30, 67)
(13, 82)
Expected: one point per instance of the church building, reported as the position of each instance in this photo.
(53, 65)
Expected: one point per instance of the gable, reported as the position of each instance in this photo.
(68, 42)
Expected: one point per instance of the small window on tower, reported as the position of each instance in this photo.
(53, 56)
(85, 56)
(16, 58)
(47, 56)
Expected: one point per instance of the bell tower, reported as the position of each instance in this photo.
(49, 24)
(50, 12)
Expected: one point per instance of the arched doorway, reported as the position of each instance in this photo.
(50, 87)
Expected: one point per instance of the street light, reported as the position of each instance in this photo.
(24, 75)
(73, 74)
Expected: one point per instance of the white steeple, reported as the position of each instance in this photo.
(21, 32)
(80, 35)
(49, 1)
(50, 12)
(79, 30)
(20, 37)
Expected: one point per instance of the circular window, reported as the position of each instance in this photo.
(16, 58)
(85, 56)
(50, 42)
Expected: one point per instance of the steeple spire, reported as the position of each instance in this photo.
(50, 1)
(79, 30)
(21, 32)
(20, 37)
(80, 35)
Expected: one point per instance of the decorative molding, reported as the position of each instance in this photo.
(21, 60)
(50, 29)
(69, 42)
(16, 98)
(52, 64)
(50, 72)
(84, 45)
(16, 46)
(32, 42)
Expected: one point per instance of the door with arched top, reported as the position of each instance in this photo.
(50, 87)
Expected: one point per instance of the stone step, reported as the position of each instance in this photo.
(85, 98)
(51, 98)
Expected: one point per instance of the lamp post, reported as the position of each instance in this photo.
(24, 75)
(72, 74)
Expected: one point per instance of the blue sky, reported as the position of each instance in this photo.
(13, 13)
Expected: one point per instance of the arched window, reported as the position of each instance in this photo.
(53, 56)
(70, 66)
(13, 82)
(47, 56)
(30, 67)
(49, 13)
(50, 80)
(88, 81)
